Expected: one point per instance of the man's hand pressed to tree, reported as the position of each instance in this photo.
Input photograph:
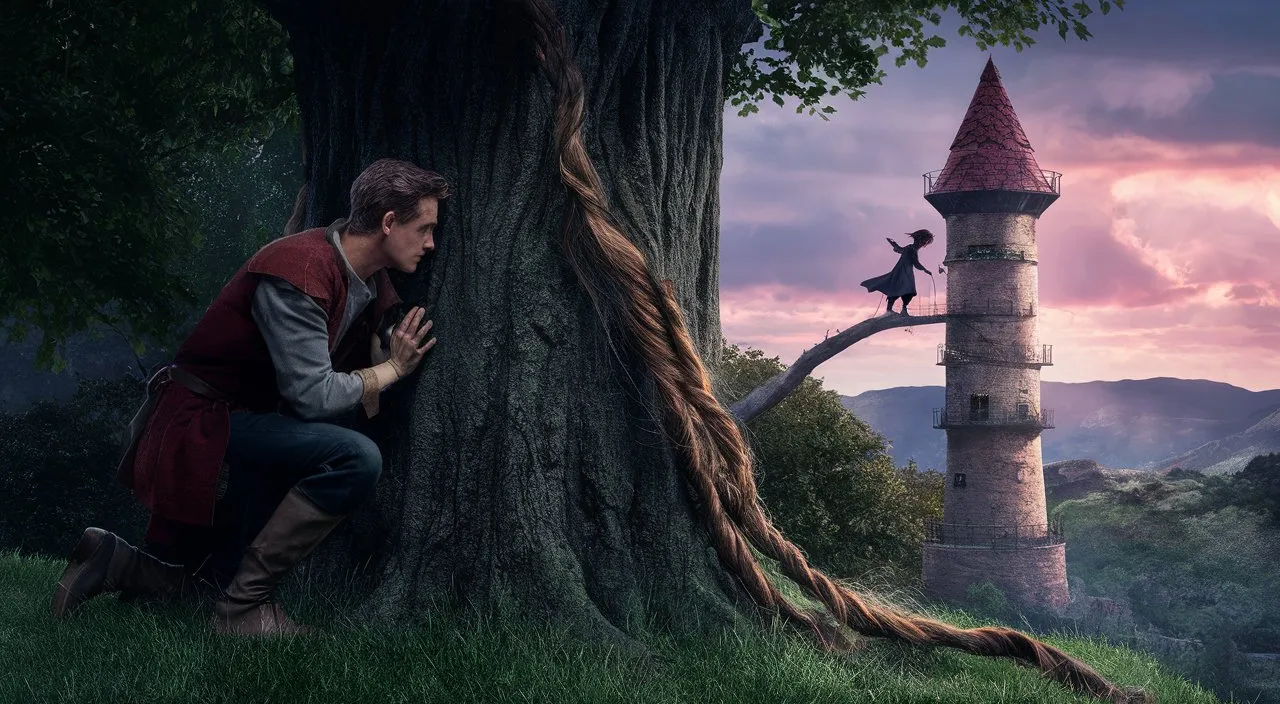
(407, 348)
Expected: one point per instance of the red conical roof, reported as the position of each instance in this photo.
(991, 152)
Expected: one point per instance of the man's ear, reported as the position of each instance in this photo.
(388, 219)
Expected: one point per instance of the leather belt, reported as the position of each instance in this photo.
(194, 383)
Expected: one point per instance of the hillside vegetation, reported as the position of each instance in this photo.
(1189, 565)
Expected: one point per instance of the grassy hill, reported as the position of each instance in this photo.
(115, 653)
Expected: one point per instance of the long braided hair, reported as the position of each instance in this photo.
(643, 312)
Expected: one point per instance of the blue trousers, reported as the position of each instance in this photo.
(331, 463)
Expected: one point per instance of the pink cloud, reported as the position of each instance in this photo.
(1093, 269)
(1252, 293)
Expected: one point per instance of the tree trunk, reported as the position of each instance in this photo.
(523, 469)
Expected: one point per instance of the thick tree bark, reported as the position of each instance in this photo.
(522, 467)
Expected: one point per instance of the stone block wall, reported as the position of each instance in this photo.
(1013, 230)
(974, 333)
(1030, 576)
(1004, 387)
(1004, 477)
(976, 284)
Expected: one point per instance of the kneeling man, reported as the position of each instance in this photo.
(237, 444)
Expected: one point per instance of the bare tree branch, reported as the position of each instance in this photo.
(765, 396)
(142, 370)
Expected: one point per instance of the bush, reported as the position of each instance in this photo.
(986, 599)
(1220, 659)
(60, 463)
(827, 480)
(1259, 486)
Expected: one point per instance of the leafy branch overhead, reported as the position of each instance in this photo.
(812, 50)
(104, 109)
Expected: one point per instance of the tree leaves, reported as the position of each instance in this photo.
(826, 477)
(815, 49)
(104, 104)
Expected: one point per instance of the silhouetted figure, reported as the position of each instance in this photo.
(901, 281)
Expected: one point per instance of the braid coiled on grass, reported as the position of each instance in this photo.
(629, 300)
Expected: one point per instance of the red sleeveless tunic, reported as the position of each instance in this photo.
(179, 461)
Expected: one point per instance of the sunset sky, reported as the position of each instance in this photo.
(1159, 259)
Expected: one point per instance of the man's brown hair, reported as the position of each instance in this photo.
(391, 184)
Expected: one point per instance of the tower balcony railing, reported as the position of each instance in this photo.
(1020, 417)
(1052, 179)
(1024, 535)
(998, 355)
(924, 308)
(992, 307)
(990, 253)
(1011, 308)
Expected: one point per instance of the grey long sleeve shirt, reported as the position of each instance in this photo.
(295, 328)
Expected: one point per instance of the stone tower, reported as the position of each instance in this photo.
(994, 524)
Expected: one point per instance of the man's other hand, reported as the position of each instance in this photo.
(409, 342)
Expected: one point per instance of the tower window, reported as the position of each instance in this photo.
(957, 480)
(979, 407)
(1024, 411)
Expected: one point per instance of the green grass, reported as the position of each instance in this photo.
(114, 652)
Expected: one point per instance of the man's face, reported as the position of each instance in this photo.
(408, 242)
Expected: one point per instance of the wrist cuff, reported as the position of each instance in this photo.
(369, 398)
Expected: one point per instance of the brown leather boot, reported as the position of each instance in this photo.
(293, 531)
(103, 562)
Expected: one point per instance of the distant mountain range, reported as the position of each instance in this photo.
(1151, 424)
(1232, 453)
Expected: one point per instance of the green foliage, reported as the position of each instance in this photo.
(1256, 487)
(59, 463)
(1193, 556)
(1221, 657)
(242, 197)
(813, 50)
(826, 478)
(103, 106)
(986, 598)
